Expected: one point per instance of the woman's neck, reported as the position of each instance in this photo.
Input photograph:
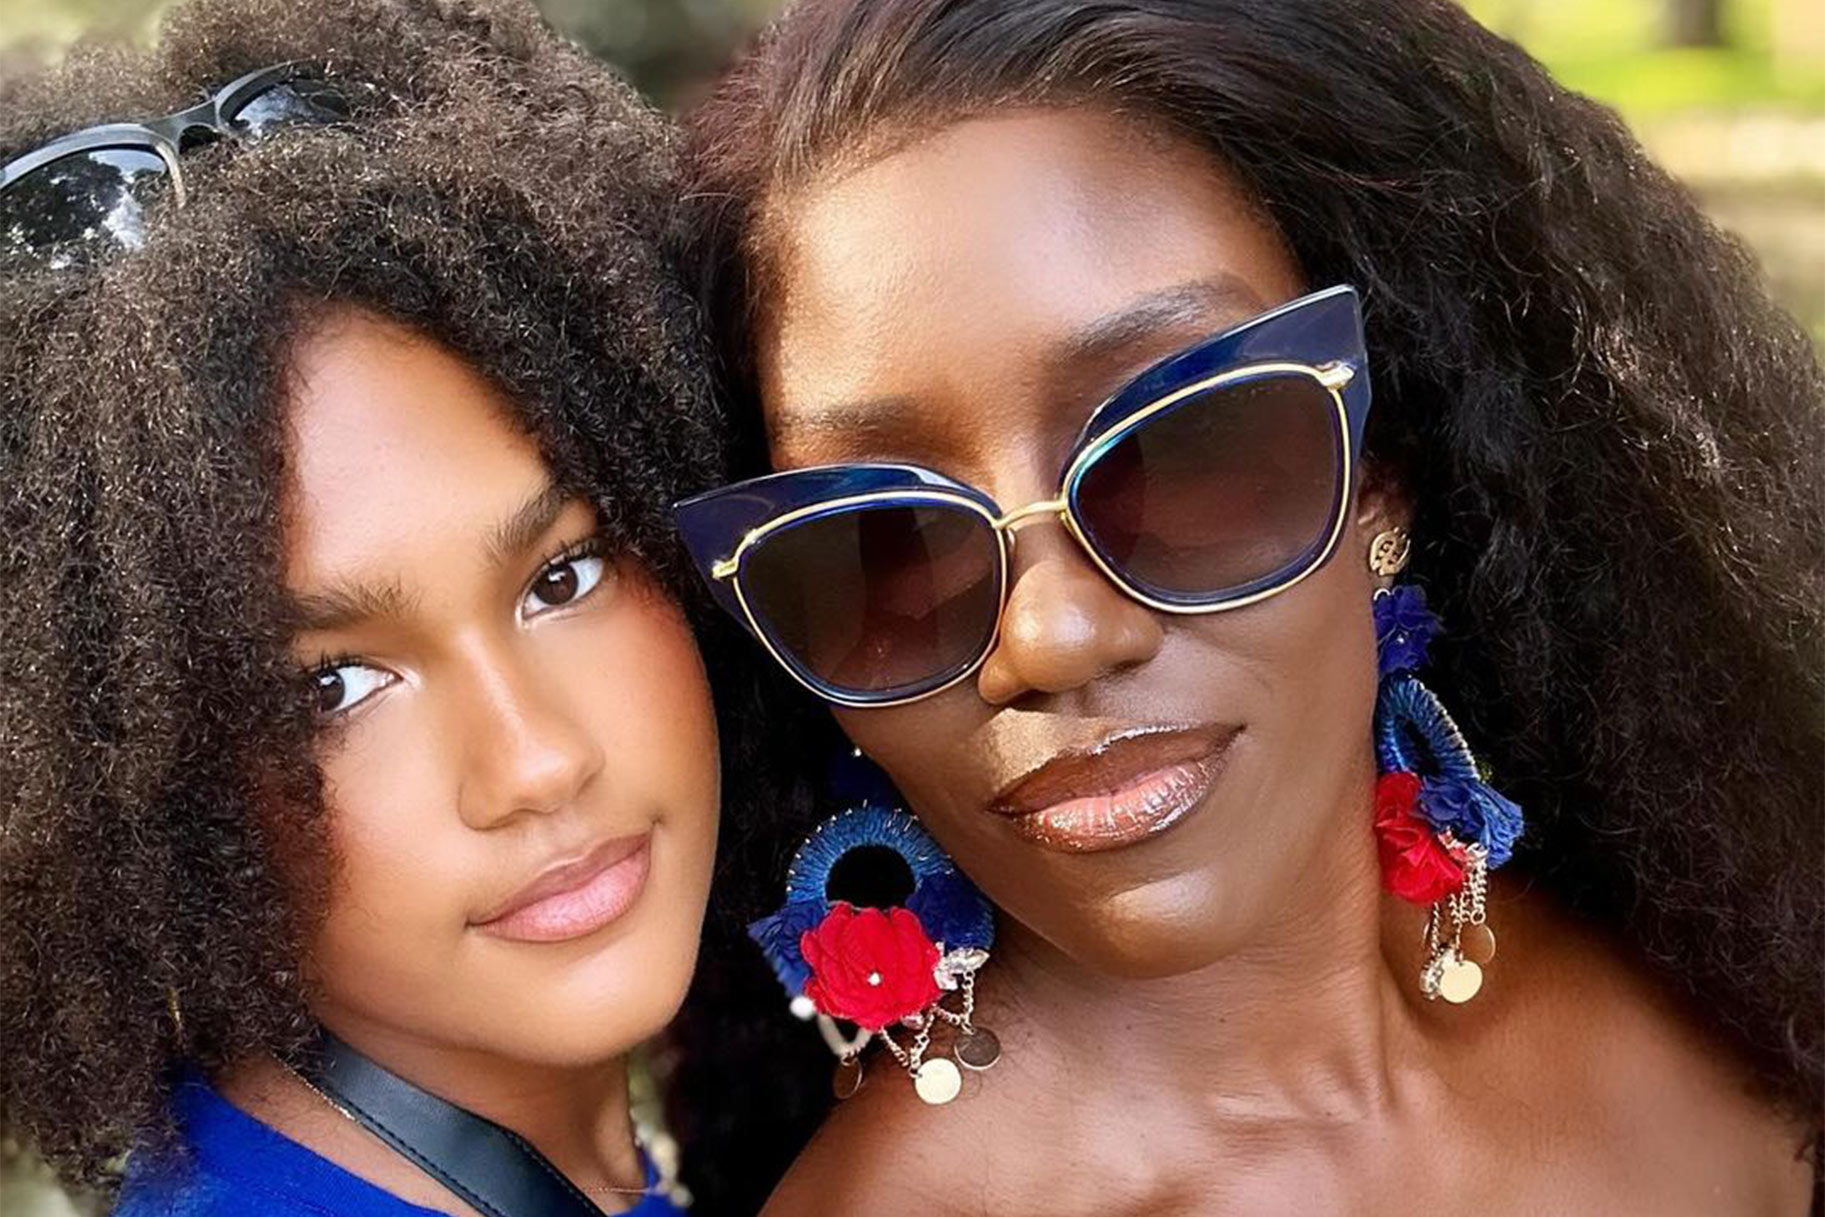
(576, 1116)
(1311, 1019)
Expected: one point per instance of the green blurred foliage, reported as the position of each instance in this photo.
(1742, 121)
(670, 48)
(1771, 52)
(52, 23)
(1616, 50)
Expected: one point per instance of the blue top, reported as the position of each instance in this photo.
(239, 1167)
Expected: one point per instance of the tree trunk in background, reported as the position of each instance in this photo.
(1695, 22)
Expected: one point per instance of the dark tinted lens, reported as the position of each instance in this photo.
(88, 199)
(880, 599)
(1221, 494)
(294, 101)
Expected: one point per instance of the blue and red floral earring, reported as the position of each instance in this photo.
(1439, 825)
(901, 971)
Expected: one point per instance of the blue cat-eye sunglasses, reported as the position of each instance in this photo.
(1216, 478)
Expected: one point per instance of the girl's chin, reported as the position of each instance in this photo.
(594, 1013)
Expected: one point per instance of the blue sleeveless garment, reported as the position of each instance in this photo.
(239, 1167)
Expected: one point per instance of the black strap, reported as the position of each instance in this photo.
(493, 1169)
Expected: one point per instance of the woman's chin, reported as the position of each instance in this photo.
(1167, 928)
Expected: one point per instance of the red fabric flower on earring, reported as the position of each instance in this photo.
(1415, 865)
(870, 966)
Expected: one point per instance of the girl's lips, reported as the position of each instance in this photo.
(578, 898)
(1119, 793)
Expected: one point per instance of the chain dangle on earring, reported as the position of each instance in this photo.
(1440, 827)
(1454, 965)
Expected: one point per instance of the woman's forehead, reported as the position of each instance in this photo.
(1002, 247)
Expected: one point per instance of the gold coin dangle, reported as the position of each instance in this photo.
(977, 1048)
(937, 1081)
(1459, 980)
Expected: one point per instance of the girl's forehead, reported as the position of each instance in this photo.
(397, 445)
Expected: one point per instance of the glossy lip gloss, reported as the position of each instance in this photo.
(1123, 791)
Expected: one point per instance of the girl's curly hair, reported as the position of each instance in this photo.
(494, 189)
(1616, 444)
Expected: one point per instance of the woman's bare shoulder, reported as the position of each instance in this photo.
(886, 1154)
(1643, 1074)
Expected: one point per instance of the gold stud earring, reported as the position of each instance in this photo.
(1389, 552)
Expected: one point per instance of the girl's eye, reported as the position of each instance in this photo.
(341, 686)
(563, 581)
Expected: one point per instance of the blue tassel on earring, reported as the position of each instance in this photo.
(953, 912)
(1472, 811)
(1440, 828)
(1415, 734)
(1404, 629)
(871, 824)
(949, 908)
(778, 936)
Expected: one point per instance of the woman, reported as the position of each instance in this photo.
(355, 734)
(940, 233)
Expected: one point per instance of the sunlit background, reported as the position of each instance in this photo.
(1728, 94)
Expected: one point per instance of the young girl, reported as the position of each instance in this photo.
(357, 754)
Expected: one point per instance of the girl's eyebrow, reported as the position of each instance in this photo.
(514, 535)
(342, 605)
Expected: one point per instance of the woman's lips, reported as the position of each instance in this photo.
(572, 899)
(1123, 790)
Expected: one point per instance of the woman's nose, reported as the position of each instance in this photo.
(1065, 623)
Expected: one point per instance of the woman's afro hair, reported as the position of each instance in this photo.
(1615, 444)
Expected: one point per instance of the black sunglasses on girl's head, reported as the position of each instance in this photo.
(90, 188)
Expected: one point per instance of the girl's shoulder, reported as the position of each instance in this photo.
(195, 1193)
(230, 1164)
